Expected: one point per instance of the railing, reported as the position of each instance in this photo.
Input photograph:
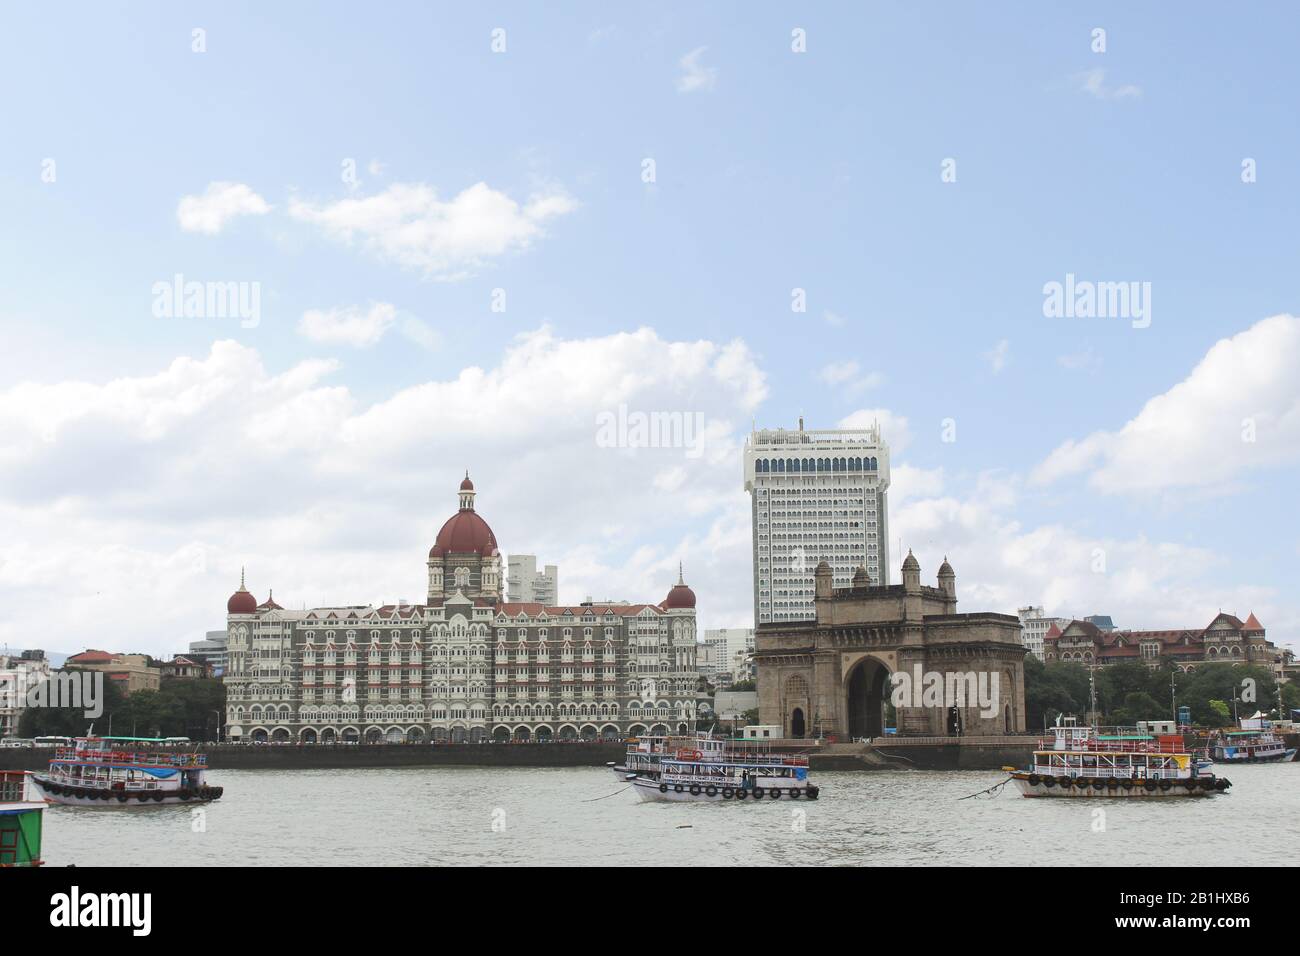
(131, 758)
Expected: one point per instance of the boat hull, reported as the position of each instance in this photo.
(1285, 756)
(1178, 788)
(63, 795)
(655, 791)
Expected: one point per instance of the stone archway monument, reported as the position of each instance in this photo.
(872, 646)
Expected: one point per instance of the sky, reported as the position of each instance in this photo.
(459, 237)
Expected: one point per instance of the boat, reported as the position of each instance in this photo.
(118, 772)
(644, 753)
(1254, 742)
(1082, 761)
(705, 768)
(21, 814)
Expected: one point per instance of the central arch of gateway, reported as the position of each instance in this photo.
(834, 674)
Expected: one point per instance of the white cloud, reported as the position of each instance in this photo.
(893, 428)
(837, 373)
(999, 356)
(348, 325)
(220, 203)
(409, 225)
(1085, 361)
(1238, 410)
(1093, 82)
(695, 76)
(158, 488)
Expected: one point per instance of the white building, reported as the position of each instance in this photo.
(816, 496)
(18, 674)
(1034, 627)
(526, 585)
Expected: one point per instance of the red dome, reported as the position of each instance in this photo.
(465, 532)
(467, 485)
(680, 596)
(241, 602)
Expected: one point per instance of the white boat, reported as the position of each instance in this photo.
(1116, 763)
(110, 772)
(1254, 742)
(711, 769)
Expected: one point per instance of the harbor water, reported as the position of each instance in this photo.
(585, 816)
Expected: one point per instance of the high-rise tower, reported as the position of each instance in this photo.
(817, 495)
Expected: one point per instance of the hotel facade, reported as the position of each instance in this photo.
(465, 666)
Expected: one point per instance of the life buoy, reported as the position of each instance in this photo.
(1033, 780)
(678, 788)
(741, 794)
(185, 794)
(1049, 782)
(695, 790)
(1165, 785)
(758, 793)
(1066, 782)
(1099, 784)
(795, 793)
(812, 793)
(1112, 783)
(1126, 784)
(663, 788)
(1190, 783)
(711, 791)
(775, 793)
(122, 797)
(1149, 786)
(727, 793)
(158, 796)
(1221, 784)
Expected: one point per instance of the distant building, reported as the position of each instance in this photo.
(183, 668)
(211, 651)
(130, 672)
(526, 585)
(1226, 638)
(18, 674)
(1034, 626)
(815, 496)
(1102, 622)
(730, 707)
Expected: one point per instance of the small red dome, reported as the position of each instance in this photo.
(241, 602)
(680, 596)
(464, 533)
(467, 485)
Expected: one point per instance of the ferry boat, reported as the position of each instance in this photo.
(714, 769)
(644, 753)
(108, 772)
(1254, 742)
(21, 815)
(1119, 762)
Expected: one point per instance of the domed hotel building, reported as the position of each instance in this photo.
(464, 666)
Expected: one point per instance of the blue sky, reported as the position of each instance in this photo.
(774, 170)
